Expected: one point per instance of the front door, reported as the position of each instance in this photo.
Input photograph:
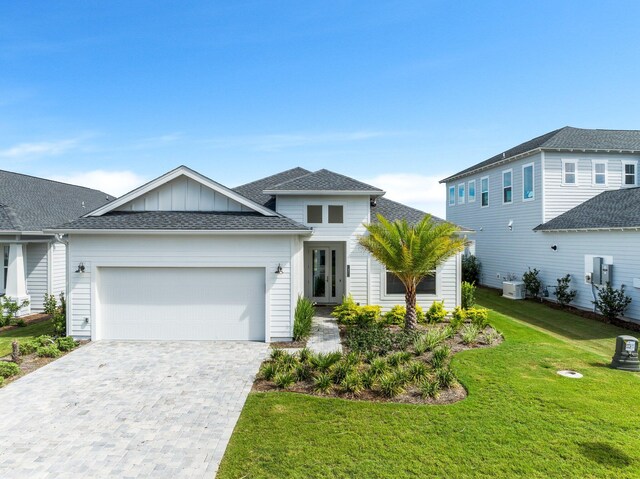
(324, 273)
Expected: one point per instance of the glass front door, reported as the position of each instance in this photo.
(325, 274)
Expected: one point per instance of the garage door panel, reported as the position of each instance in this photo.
(181, 303)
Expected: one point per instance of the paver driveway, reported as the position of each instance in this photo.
(127, 409)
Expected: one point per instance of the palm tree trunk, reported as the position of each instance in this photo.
(410, 318)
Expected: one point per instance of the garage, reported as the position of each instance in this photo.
(181, 303)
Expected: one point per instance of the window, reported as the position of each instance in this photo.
(461, 194)
(527, 182)
(484, 191)
(507, 188)
(472, 191)
(452, 195)
(336, 214)
(395, 286)
(314, 213)
(569, 172)
(600, 173)
(629, 173)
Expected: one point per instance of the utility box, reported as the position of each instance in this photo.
(513, 289)
(596, 276)
(607, 273)
(626, 355)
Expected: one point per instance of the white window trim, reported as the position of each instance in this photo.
(575, 173)
(394, 297)
(488, 194)
(475, 192)
(510, 170)
(344, 210)
(461, 199)
(306, 213)
(635, 174)
(452, 203)
(593, 173)
(325, 213)
(533, 182)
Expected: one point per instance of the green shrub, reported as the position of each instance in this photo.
(268, 371)
(430, 388)
(398, 358)
(352, 383)
(50, 304)
(29, 347)
(305, 355)
(467, 295)
(369, 314)
(449, 331)
(370, 356)
(323, 361)
(458, 315)
(391, 385)
(611, 302)
(417, 371)
(48, 352)
(59, 322)
(277, 353)
(66, 344)
(378, 367)
(369, 338)
(322, 383)
(469, 333)
(445, 378)
(429, 340)
(471, 269)
(303, 372)
(532, 283)
(395, 315)
(492, 336)
(479, 317)
(339, 371)
(563, 293)
(347, 312)
(353, 358)
(303, 319)
(1, 381)
(20, 323)
(436, 312)
(9, 309)
(440, 356)
(8, 369)
(368, 379)
(284, 379)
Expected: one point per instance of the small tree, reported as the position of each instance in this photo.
(467, 295)
(532, 283)
(564, 295)
(471, 268)
(611, 302)
(9, 309)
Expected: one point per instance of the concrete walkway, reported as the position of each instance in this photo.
(325, 335)
(127, 410)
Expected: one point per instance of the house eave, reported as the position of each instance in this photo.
(179, 232)
(585, 230)
(375, 193)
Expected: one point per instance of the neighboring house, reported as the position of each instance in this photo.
(554, 203)
(33, 263)
(184, 257)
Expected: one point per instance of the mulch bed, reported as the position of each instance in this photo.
(288, 344)
(30, 319)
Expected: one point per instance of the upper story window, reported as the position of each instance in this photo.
(569, 172)
(507, 186)
(461, 194)
(527, 183)
(314, 214)
(629, 169)
(472, 191)
(452, 195)
(484, 191)
(336, 214)
(600, 173)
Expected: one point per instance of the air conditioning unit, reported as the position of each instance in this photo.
(513, 289)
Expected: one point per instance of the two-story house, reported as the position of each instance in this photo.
(184, 257)
(555, 203)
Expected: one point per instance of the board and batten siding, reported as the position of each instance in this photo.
(184, 251)
(37, 274)
(560, 198)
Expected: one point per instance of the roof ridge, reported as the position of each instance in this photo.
(275, 174)
(293, 179)
(58, 182)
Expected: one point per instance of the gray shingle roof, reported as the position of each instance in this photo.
(610, 209)
(324, 180)
(254, 190)
(182, 220)
(28, 203)
(567, 138)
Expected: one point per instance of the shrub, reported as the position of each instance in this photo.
(468, 295)
(66, 344)
(611, 302)
(20, 323)
(322, 383)
(368, 314)
(471, 269)
(369, 338)
(368, 379)
(50, 304)
(323, 361)
(532, 283)
(305, 355)
(492, 336)
(429, 388)
(303, 372)
(1, 381)
(353, 358)
(396, 359)
(470, 333)
(352, 383)
(303, 318)
(284, 379)
(397, 313)
(286, 361)
(449, 331)
(59, 322)
(268, 371)
(9, 309)
(436, 313)
(417, 371)
(445, 378)
(479, 317)
(277, 353)
(458, 315)
(391, 385)
(378, 367)
(429, 341)
(48, 352)
(440, 357)
(563, 293)
(340, 370)
(8, 369)
(347, 312)
(30, 347)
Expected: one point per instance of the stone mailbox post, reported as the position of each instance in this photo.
(626, 356)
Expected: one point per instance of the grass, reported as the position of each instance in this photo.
(520, 419)
(23, 334)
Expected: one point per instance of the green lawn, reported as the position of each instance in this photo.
(520, 419)
(23, 334)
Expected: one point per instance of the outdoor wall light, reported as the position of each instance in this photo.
(80, 268)
(554, 247)
(510, 225)
(279, 269)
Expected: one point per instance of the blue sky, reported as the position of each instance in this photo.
(110, 94)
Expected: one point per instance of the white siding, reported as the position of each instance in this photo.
(37, 274)
(180, 250)
(58, 253)
(183, 194)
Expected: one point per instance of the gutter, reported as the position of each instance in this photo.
(582, 230)
(180, 232)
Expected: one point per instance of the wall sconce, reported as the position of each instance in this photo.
(279, 269)
(510, 225)
(80, 268)
(554, 247)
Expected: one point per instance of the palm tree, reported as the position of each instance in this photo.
(411, 252)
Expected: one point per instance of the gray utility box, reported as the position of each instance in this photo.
(626, 356)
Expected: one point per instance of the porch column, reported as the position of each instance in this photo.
(16, 281)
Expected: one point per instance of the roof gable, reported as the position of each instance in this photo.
(183, 189)
(255, 190)
(323, 182)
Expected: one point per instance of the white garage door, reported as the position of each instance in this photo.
(181, 303)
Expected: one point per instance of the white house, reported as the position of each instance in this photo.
(184, 257)
(34, 262)
(555, 203)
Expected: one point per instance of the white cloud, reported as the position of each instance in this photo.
(112, 182)
(420, 191)
(44, 148)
